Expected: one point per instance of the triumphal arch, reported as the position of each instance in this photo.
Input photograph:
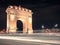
(15, 13)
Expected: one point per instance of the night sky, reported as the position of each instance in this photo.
(45, 12)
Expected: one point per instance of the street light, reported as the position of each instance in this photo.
(42, 26)
(56, 25)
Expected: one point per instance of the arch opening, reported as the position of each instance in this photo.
(19, 26)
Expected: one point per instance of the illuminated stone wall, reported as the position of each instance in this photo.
(15, 13)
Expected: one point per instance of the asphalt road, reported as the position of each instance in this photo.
(39, 39)
(14, 42)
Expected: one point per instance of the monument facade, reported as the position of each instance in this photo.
(15, 13)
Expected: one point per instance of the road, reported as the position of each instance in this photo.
(30, 39)
(12, 42)
(15, 42)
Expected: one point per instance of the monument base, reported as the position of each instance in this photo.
(30, 31)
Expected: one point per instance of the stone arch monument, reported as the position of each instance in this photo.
(15, 13)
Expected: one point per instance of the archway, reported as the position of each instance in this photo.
(19, 26)
(24, 16)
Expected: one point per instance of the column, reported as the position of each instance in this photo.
(12, 23)
(7, 28)
(30, 30)
(25, 27)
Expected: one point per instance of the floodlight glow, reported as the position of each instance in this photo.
(11, 6)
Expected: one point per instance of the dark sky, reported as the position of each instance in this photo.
(46, 12)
